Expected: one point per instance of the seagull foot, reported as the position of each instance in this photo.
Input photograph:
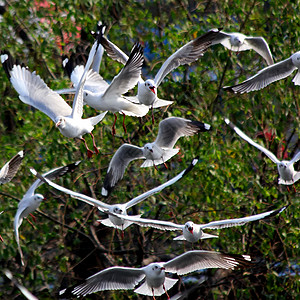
(166, 291)
(89, 153)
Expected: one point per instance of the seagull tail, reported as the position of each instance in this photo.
(95, 120)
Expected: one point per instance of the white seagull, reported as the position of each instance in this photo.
(31, 201)
(268, 75)
(194, 232)
(34, 91)
(9, 170)
(100, 95)
(147, 90)
(156, 283)
(287, 173)
(236, 41)
(121, 209)
(155, 153)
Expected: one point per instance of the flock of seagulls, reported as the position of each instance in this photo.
(92, 90)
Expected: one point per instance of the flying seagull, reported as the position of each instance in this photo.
(34, 91)
(121, 209)
(194, 232)
(31, 201)
(100, 95)
(9, 170)
(287, 173)
(155, 153)
(268, 75)
(236, 41)
(156, 283)
(147, 90)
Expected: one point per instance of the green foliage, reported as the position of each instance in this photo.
(232, 179)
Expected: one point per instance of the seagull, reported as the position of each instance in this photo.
(268, 75)
(287, 173)
(31, 201)
(100, 95)
(147, 90)
(34, 91)
(9, 170)
(158, 152)
(156, 283)
(236, 41)
(194, 232)
(121, 209)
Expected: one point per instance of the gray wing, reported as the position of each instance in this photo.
(9, 170)
(91, 201)
(158, 224)
(155, 190)
(264, 77)
(123, 156)
(23, 290)
(113, 51)
(200, 259)
(250, 141)
(129, 75)
(189, 53)
(294, 159)
(51, 175)
(259, 45)
(114, 278)
(222, 38)
(241, 221)
(171, 129)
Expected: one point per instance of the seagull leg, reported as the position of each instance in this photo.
(30, 223)
(124, 127)
(33, 217)
(113, 129)
(94, 143)
(153, 293)
(294, 188)
(1, 239)
(152, 114)
(155, 167)
(89, 152)
(166, 291)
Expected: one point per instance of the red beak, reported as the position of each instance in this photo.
(162, 268)
(191, 230)
(152, 88)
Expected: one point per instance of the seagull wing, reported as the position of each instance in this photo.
(119, 162)
(158, 224)
(241, 221)
(189, 53)
(51, 175)
(259, 45)
(171, 129)
(114, 278)
(113, 51)
(9, 170)
(294, 159)
(89, 200)
(129, 75)
(78, 99)
(145, 195)
(199, 259)
(250, 141)
(264, 77)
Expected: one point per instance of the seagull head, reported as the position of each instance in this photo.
(237, 40)
(60, 122)
(38, 198)
(189, 226)
(157, 269)
(150, 84)
(148, 147)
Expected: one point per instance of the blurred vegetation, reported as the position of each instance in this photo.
(232, 179)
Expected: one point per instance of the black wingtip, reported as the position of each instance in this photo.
(228, 88)
(191, 166)
(201, 126)
(107, 187)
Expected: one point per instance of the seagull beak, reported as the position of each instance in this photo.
(191, 230)
(152, 88)
(58, 123)
(162, 268)
(151, 150)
